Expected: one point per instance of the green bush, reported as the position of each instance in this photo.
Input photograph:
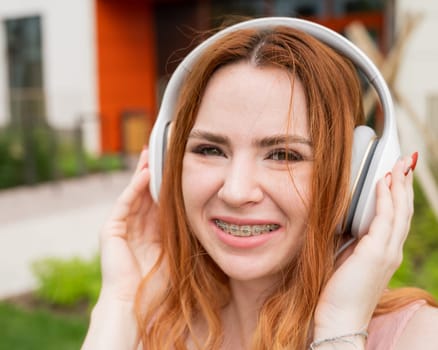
(66, 282)
(42, 143)
(420, 263)
(50, 155)
(11, 159)
(428, 276)
(105, 163)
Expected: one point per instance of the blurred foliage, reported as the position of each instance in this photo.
(11, 160)
(106, 162)
(67, 282)
(420, 262)
(39, 154)
(21, 328)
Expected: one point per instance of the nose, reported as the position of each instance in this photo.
(240, 185)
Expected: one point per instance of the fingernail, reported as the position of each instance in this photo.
(388, 179)
(414, 160)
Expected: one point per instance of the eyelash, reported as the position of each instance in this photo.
(285, 155)
(278, 155)
(208, 150)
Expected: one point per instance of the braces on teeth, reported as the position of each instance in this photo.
(245, 230)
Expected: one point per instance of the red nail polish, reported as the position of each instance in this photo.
(414, 160)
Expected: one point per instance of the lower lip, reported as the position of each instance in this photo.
(244, 242)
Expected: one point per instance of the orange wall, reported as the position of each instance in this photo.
(126, 64)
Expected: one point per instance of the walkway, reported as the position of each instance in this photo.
(58, 219)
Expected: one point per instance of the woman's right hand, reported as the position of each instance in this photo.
(129, 244)
(129, 239)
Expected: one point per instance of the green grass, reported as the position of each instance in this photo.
(55, 315)
(39, 329)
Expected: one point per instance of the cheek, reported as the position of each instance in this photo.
(294, 190)
(197, 184)
(187, 186)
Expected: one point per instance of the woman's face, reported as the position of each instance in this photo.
(247, 170)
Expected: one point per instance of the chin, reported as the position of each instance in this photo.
(246, 272)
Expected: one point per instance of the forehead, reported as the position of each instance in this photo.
(242, 99)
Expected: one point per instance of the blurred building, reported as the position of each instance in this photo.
(417, 80)
(105, 62)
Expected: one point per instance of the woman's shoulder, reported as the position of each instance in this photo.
(421, 332)
(412, 326)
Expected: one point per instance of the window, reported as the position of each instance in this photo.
(25, 75)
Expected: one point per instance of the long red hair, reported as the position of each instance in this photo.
(196, 289)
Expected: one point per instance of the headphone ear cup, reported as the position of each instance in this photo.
(364, 144)
(157, 150)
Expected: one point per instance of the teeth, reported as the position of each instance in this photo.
(245, 230)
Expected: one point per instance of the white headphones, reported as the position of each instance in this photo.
(372, 157)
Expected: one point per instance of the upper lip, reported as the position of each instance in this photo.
(245, 221)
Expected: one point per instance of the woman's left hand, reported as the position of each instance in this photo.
(348, 300)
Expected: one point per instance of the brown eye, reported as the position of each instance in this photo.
(285, 155)
(208, 151)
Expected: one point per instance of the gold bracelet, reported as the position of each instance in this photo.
(339, 339)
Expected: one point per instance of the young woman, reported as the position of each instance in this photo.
(241, 251)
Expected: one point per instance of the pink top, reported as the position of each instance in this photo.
(385, 330)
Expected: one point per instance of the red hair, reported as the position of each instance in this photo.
(196, 289)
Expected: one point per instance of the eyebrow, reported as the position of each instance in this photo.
(282, 139)
(209, 136)
(264, 142)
